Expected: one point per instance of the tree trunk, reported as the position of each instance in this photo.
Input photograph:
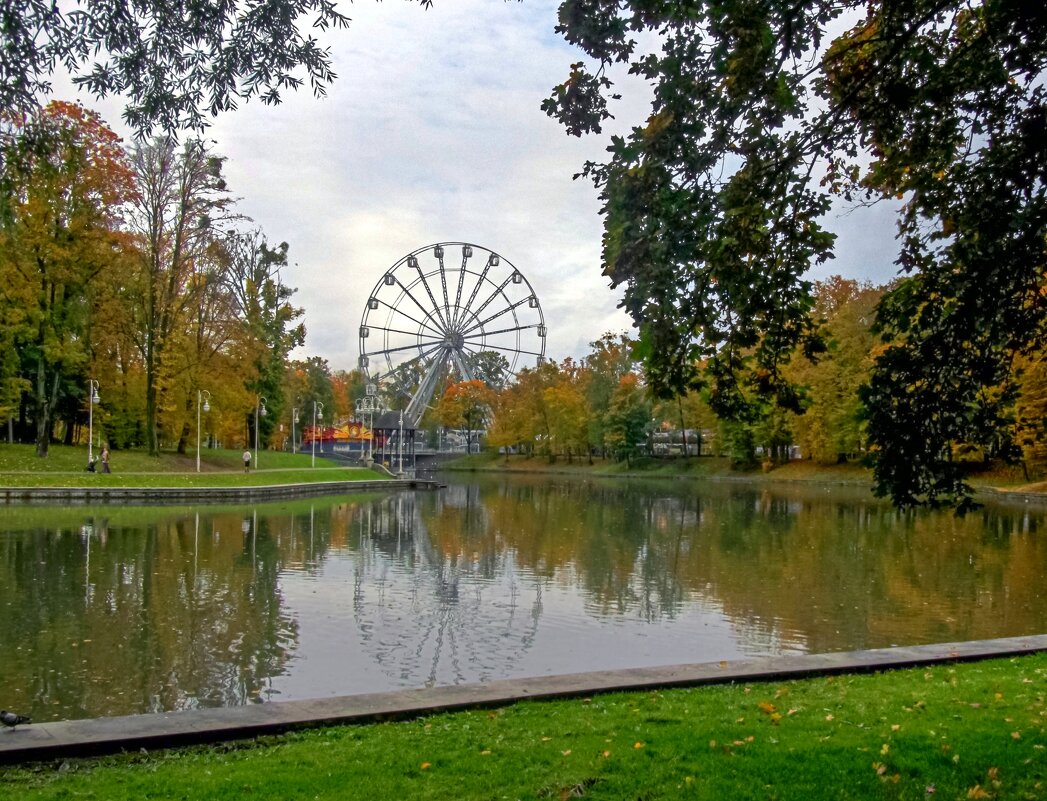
(42, 413)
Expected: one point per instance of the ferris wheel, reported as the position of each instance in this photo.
(449, 309)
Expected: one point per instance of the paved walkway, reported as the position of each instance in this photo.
(135, 732)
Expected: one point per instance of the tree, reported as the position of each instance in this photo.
(831, 426)
(174, 68)
(759, 120)
(465, 404)
(610, 359)
(567, 409)
(628, 417)
(262, 302)
(64, 182)
(181, 199)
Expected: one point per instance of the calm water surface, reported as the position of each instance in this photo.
(124, 610)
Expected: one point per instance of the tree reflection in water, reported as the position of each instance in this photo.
(133, 610)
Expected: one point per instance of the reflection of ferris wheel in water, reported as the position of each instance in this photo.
(449, 308)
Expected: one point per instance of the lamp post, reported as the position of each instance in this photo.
(203, 398)
(359, 405)
(259, 411)
(315, 404)
(294, 422)
(92, 399)
(400, 444)
(371, 395)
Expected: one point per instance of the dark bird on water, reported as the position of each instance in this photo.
(12, 719)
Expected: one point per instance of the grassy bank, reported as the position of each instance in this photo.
(974, 731)
(64, 467)
(1003, 478)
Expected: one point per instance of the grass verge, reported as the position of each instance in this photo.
(971, 731)
(64, 467)
(1004, 478)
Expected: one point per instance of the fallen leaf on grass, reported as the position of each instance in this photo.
(426, 765)
(567, 752)
(829, 717)
(637, 745)
(1016, 735)
(767, 707)
(978, 792)
(605, 754)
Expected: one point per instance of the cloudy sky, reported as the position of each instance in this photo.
(433, 133)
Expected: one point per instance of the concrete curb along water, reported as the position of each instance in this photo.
(151, 496)
(98, 736)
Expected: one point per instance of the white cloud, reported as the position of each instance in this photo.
(433, 132)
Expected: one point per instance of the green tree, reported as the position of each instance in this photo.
(628, 417)
(180, 202)
(271, 330)
(713, 207)
(609, 360)
(832, 425)
(175, 69)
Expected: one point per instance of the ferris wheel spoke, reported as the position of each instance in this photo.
(510, 308)
(476, 287)
(421, 323)
(507, 349)
(499, 291)
(407, 293)
(400, 349)
(439, 337)
(461, 282)
(423, 358)
(514, 329)
(443, 282)
(426, 311)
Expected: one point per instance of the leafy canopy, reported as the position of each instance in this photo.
(177, 63)
(761, 118)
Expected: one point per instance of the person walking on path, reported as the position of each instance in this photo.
(247, 461)
(105, 459)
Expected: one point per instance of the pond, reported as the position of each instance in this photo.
(120, 610)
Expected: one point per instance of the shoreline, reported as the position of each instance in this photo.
(173, 496)
(93, 737)
(822, 477)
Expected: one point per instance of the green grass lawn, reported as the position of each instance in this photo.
(973, 731)
(64, 467)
